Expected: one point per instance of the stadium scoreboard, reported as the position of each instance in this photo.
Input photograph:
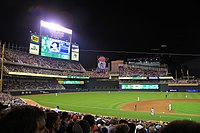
(54, 41)
(55, 48)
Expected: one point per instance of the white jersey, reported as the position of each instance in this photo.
(152, 111)
(170, 107)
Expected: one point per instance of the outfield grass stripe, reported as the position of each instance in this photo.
(174, 118)
(70, 105)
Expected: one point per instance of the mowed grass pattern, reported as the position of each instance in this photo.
(192, 108)
(107, 104)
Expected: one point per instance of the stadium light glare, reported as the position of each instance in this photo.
(56, 27)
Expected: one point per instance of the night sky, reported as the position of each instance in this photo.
(119, 28)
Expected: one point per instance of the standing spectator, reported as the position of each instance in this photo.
(24, 119)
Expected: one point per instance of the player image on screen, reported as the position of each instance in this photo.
(54, 47)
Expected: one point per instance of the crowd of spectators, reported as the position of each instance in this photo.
(16, 85)
(169, 81)
(126, 70)
(15, 56)
(140, 81)
(18, 61)
(35, 70)
(184, 81)
(10, 101)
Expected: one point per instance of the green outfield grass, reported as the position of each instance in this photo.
(108, 104)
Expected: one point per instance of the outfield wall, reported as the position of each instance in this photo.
(160, 87)
(182, 88)
(101, 85)
(33, 92)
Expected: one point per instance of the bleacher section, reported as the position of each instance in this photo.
(20, 64)
(26, 72)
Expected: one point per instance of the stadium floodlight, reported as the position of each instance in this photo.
(55, 27)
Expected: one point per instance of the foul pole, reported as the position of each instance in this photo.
(2, 66)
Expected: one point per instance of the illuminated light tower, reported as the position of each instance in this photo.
(55, 27)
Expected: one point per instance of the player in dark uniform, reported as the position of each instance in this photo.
(135, 107)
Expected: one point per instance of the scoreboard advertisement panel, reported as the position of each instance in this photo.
(34, 46)
(75, 52)
(55, 48)
(34, 49)
(35, 39)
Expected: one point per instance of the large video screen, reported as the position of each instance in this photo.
(130, 86)
(55, 48)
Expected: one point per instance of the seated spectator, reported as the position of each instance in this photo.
(181, 126)
(70, 126)
(140, 128)
(123, 121)
(64, 123)
(122, 128)
(91, 120)
(81, 126)
(102, 126)
(2, 107)
(119, 128)
(53, 121)
(132, 127)
(24, 119)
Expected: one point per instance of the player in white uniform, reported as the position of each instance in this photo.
(152, 111)
(170, 107)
